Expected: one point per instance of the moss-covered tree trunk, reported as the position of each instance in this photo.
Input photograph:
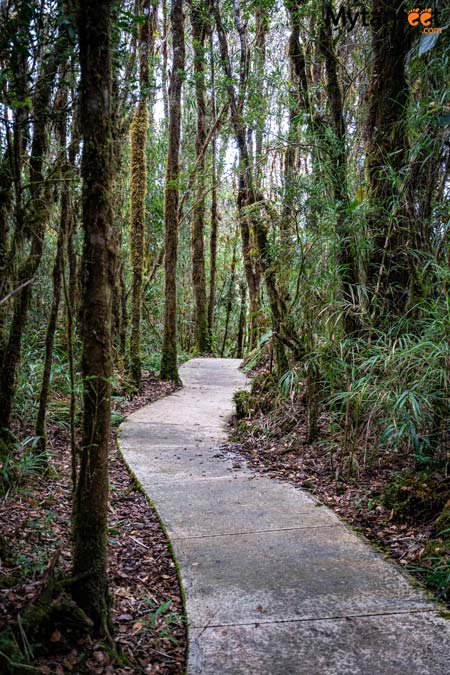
(386, 151)
(214, 210)
(199, 24)
(229, 302)
(90, 505)
(138, 164)
(240, 342)
(169, 366)
(297, 68)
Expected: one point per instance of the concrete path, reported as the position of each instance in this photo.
(274, 583)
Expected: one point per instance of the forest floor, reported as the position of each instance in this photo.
(404, 511)
(150, 631)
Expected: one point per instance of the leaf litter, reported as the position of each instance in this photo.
(35, 543)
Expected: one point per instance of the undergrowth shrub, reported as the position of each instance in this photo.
(392, 391)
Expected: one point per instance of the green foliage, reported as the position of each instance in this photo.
(161, 621)
(395, 388)
(435, 567)
(21, 464)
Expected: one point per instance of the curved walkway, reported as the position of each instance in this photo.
(274, 583)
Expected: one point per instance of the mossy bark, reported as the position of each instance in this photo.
(240, 342)
(385, 128)
(199, 24)
(137, 205)
(90, 503)
(169, 366)
(229, 303)
(214, 210)
(138, 164)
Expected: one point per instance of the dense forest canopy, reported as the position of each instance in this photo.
(264, 179)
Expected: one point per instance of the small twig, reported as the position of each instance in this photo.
(166, 656)
(138, 542)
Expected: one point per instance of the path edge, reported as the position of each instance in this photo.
(152, 505)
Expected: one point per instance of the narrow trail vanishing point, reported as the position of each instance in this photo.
(274, 583)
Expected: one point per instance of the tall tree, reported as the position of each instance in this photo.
(90, 502)
(199, 22)
(138, 165)
(169, 366)
(214, 211)
(386, 153)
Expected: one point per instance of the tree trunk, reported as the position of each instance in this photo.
(387, 97)
(298, 101)
(229, 304)
(199, 28)
(58, 270)
(169, 366)
(138, 164)
(165, 31)
(214, 212)
(242, 321)
(90, 505)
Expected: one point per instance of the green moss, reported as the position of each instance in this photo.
(242, 401)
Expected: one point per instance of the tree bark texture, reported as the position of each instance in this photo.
(214, 210)
(138, 164)
(169, 366)
(90, 504)
(387, 98)
(199, 22)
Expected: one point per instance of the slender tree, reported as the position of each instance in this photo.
(240, 342)
(169, 366)
(337, 155)
(251, 201)
(58, 271)
(90, 503)
(138, 165)
(214, 210)
(199, 22)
